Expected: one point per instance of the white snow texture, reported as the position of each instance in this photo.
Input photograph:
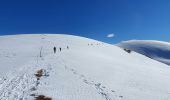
(87, 70)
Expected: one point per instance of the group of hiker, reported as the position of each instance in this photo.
(60, 49)
(54, 49)
(94, 44)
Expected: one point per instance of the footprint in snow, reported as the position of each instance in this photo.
(102, 90)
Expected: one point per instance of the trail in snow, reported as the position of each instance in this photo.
(52, 70)
(101, 90)
(108, 94)
(24, 84)
(18, 86)
(86, 72)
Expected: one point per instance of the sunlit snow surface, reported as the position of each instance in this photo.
(88, 70)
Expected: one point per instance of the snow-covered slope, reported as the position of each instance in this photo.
(88, 70)
(157, 50)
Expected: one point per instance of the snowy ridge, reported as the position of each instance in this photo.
(157, 50)
(88, 70)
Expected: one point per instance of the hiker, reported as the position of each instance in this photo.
(60, 49)
(54, 49)
(67, 47)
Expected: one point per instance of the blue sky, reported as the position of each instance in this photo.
(126, 19)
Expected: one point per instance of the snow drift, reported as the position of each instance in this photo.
(88, 70)
(157, 50)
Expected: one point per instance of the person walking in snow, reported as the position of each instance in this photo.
(54, 49)
(60, 49)
(67, 47)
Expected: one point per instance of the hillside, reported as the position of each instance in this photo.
(88, 70)
(157, 50)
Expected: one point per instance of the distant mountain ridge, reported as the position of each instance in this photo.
(157, 50)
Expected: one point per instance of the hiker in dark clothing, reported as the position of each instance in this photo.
(67, 47)
(60, 49)
(54, 49)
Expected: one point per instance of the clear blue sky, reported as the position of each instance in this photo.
(126, 19)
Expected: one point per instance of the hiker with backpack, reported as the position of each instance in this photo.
(60, 49)
(54, 49)
(67, 47)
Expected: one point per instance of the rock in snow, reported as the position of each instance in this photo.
(88, 70)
